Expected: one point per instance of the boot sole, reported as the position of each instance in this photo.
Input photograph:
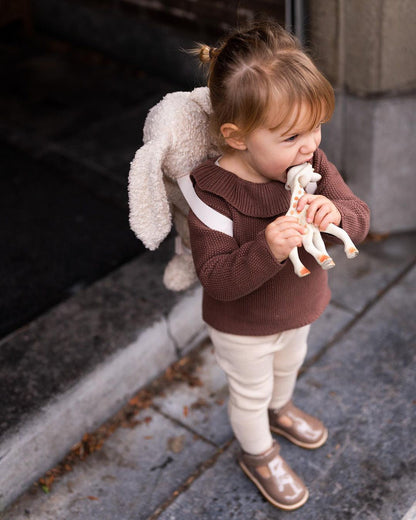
(286, 507)
(308, 446)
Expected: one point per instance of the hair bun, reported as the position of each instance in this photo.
(205, 53)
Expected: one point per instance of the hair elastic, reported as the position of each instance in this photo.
(212, 51)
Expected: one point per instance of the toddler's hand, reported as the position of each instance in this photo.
(321, 211)
(282, 235)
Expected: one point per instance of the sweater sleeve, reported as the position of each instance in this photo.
(227, 271)
(355, 214)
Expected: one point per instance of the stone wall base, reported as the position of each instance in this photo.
(372, 142)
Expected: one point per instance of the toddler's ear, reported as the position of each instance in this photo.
(233, 136)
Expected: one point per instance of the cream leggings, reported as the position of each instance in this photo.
(261, 373)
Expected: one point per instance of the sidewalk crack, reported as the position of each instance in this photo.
(204, 466)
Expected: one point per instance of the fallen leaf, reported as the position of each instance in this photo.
(131, 423)
(175, 444)
(200, 403)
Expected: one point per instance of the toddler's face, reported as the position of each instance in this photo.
(271, 152)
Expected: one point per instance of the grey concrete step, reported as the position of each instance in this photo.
(178, 460)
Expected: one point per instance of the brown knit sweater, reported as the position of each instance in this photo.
(246, 290)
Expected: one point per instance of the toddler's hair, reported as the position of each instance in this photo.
(261, 72)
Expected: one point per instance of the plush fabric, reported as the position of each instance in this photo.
(175, 140)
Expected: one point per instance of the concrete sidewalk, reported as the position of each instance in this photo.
(176, 458)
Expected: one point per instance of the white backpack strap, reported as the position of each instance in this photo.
(210, 217)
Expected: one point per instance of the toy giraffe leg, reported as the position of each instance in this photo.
(350, 250)
(320, 244)
(320, 255)
(299, 268)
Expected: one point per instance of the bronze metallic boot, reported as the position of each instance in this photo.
(274, 478)
(297, 426)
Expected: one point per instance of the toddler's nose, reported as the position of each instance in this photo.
(308, 145)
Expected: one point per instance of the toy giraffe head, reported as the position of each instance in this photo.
(302, 174)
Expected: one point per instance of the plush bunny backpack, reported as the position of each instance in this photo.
(176, 140)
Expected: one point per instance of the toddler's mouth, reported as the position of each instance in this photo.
(299, 164)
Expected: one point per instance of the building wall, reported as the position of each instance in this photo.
(368, 51)
(150, 33)
(211, 17)
(367, 47)
(207, 18)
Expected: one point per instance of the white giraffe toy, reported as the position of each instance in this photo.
(298, 178)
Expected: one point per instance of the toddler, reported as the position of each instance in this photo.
(269, 102)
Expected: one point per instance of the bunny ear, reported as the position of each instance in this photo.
(150, 216)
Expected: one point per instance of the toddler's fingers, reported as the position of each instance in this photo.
(302, 202)
(296, 229)
(308, 198)
(328, 219)
(285, 220)
(324, 224)
(286, 239)
(283, 223)
(321, 214)
(317, 210)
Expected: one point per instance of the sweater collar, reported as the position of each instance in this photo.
(262, 200)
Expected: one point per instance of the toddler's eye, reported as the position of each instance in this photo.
(291, 138)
